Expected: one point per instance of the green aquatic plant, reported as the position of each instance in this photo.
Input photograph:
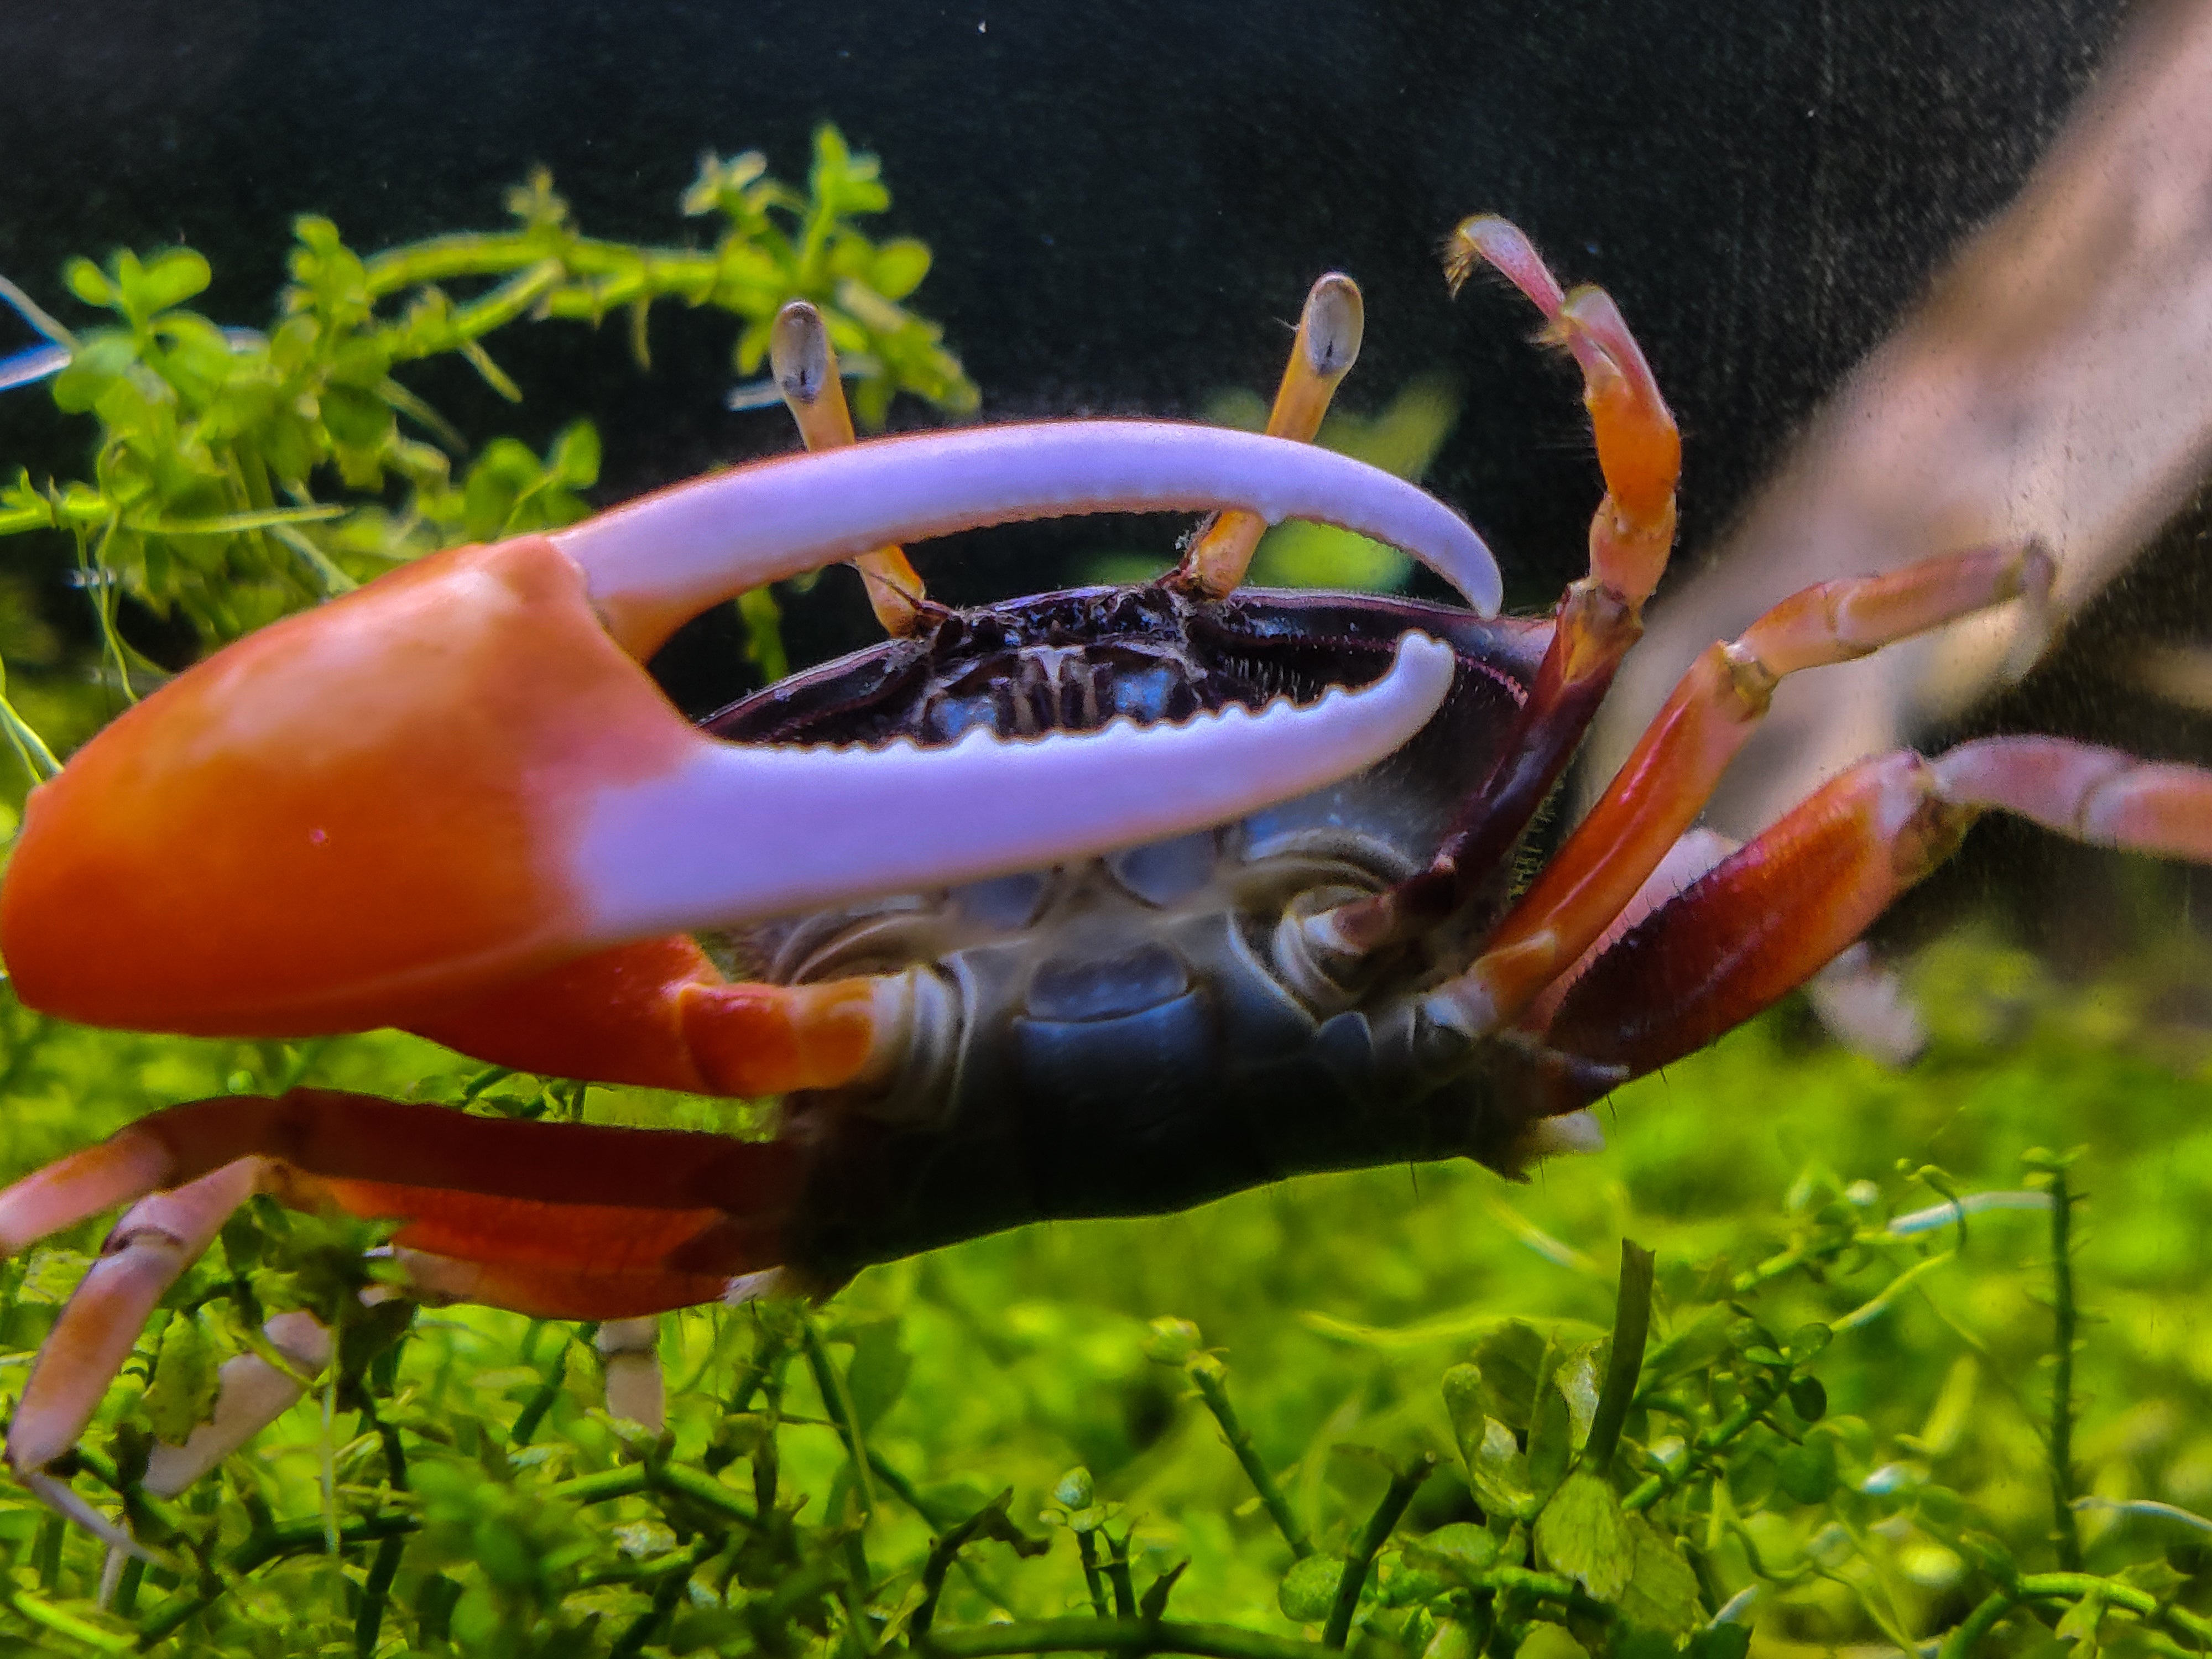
(1839, 1400)
(240, 475)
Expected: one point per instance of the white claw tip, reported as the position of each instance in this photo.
(1568, 1134)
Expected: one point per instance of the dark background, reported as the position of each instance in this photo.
(1127, 202)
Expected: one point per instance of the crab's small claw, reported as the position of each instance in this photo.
(460, 776)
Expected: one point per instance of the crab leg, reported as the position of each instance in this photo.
(1321, 354)
(465, 779)
(1599, 617)
(1762, 922)
(805, 365)
(251, 1394)
(562, 1220)
(1659, 793)
(156, 1239)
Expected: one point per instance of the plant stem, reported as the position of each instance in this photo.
(1631, 1327)
(1748, 1411)
(2065, 1530)
(1117, 1574)
(942, 1554)
(838, 1401)
(2072, 1587)
(1380, 1525)
(1086, 1546)
(1212, 1380)
(373, 1591)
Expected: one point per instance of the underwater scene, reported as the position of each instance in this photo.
(988, 829)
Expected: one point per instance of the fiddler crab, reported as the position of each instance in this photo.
(1095, 903)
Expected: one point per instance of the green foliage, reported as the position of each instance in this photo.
(1838, 1429)
(239, 475)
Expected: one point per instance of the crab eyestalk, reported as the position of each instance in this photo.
(1326, 345)
(805, 365)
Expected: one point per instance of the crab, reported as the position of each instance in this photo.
(1101, 902)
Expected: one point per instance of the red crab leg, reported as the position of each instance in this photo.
(1762, 922)
(1321, 355)
(562, 1220)
(805, 368)
(456, 777)
(1599, 617)
(1660, 791)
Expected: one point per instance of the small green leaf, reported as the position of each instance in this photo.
(574, 460)
(1662, 1587)
(1578, 1379)
(173, 278)
(1507, 1358)
(1074, 1490)
(1584, 1535)
(1809, 1399)
(1309, 1590)
(1462, 1392)
(1499, 1474)
(182, 1396)
(1808, 1472)
(1154, 1602)
(1551, 1428)
(1808, 1341)
(2082, 1625)
(2159, 1578)
(899, 267)
(1460, 1550)
(50, 1275)
(90, 283)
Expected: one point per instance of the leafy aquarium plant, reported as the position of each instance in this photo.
(1815, 1354)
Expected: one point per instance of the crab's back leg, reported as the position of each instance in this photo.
(556, 1220)
(1321, 354)
(1598, 619)
(562, 1220)
(805, 365)
(1660, 791)
(1761, 922)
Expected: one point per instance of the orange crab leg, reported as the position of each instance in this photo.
(1662, 788)
(1322, 352)
(1598, 619)
(460, 776)
(660, 1014)
(1767, 918)
(805, 365)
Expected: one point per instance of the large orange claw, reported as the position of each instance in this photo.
(461, 775)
